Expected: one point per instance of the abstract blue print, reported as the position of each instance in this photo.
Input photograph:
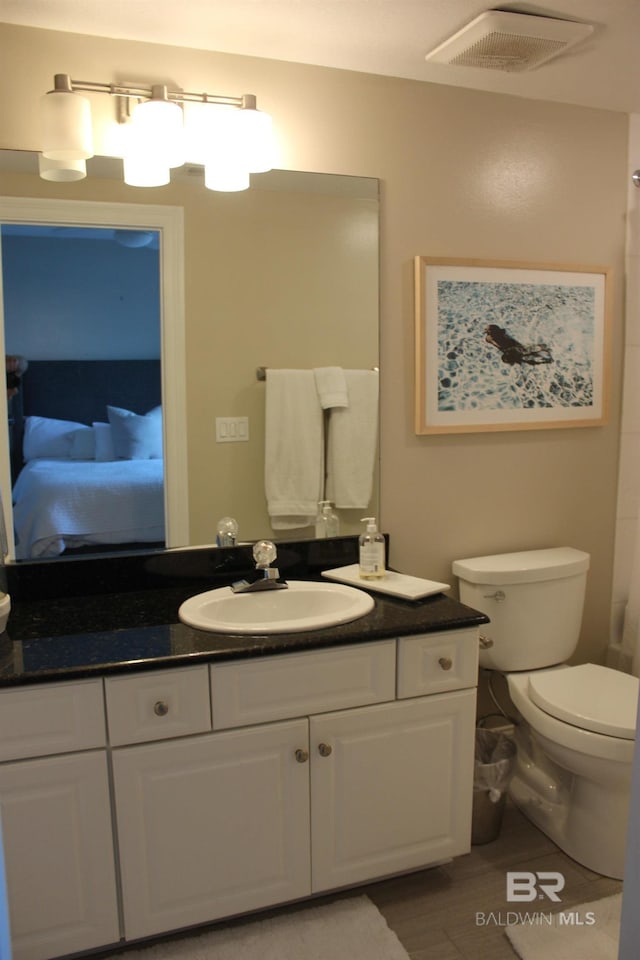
(514, 346)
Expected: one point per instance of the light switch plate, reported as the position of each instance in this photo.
(232, 429)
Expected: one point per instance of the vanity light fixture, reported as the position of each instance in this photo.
(229, 136)
(61, 171)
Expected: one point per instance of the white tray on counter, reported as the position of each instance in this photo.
(396, 584)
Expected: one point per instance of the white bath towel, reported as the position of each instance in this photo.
(332, 387)
(294, 461)
(352, 443)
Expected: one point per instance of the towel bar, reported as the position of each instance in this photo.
(261, 372)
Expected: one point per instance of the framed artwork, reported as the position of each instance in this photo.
(510, 346)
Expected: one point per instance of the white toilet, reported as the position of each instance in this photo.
(577, 725)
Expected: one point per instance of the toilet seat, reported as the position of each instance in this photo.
(588, 696)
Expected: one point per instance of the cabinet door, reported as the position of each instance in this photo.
(391, 787)
(211, 826)
(58, 846)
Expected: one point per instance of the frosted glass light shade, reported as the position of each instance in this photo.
(213, 140)
(61, 171)
(207, 128)
(145, 171)
(66, 126)
(157, 130)
(256, 144)
(227, 177)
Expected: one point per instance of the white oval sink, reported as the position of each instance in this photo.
(304, 605)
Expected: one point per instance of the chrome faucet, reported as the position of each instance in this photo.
(264, 553)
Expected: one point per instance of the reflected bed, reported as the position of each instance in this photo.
(86, 450)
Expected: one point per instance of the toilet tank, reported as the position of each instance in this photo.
(534, 600)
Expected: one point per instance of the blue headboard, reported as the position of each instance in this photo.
(81, 389)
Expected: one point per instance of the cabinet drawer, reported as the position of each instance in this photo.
(436, 662)
(50, 718)
(298, 684)
(158, 705)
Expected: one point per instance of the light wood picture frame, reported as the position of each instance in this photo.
(508, 345)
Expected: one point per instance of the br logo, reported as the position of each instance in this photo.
(525, 886)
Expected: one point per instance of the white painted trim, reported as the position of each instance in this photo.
(169, 221)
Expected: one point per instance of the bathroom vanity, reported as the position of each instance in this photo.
(153, 777)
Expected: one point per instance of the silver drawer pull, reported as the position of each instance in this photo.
(446, 663)
(160, 708)
(301, 756)
(485, 642)
(324, 749)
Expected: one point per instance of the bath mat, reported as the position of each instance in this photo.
(350, 929)
(589, 931)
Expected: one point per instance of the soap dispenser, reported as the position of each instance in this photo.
(333, 523)
(372, 551)
(327, 522)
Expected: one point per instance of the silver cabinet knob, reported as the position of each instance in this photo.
(446, 663)
(324, 749)
(160, 708)
(301, 756)
(485, 642)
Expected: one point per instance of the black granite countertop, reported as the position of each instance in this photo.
(55, 635)
(173, 644)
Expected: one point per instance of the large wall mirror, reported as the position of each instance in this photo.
(284, 275)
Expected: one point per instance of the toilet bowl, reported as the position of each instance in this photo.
(573, 781)
(576, 726)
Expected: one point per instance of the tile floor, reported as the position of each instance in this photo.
(434, 912)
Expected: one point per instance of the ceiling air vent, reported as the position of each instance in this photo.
(498, 40)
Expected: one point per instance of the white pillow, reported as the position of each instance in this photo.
(48, 438)
(83, 444)
(103, 442)
(136, 437)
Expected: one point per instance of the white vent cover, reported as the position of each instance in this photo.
(498, 40)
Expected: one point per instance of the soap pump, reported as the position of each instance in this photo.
(372, 551)
(327, 522)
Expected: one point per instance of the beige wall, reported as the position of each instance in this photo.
(463, 174)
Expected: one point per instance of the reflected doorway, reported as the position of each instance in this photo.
(140, 330)
(82, 341)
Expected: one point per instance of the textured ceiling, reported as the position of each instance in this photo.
(388, 37)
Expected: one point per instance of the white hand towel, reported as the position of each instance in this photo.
(332, 387)
(294, 460)
(352, 443)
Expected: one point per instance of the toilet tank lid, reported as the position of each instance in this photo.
(528, 566)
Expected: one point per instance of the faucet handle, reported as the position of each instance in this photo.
(264, 553)
(227, 532)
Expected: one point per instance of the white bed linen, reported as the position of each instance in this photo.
(71, 503)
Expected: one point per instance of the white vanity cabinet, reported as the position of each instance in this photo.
(231, 786)
(56, 819)
(316, 776)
